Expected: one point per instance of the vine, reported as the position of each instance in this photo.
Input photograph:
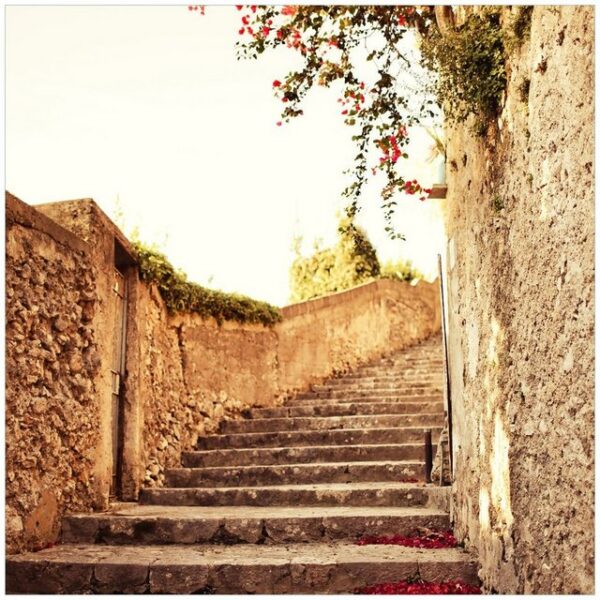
(181, 295)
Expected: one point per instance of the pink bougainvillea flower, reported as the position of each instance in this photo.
(420, 587)
(278, 123)
(431, 539)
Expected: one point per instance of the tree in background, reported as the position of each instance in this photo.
(350, 262)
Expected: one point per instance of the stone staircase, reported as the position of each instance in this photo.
(277, 500)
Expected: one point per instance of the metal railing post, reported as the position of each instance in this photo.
(446, 365)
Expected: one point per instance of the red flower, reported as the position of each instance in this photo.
(239, 6)
(245, 20)
(265, 31)
(421, 587)
(241, 31)
(276, 83)
(278, 123)
(253, 9)
(288, 11)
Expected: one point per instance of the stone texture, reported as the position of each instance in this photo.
(521, 322)
(243, 568)
(52, 411)
(362, 493)
(246, 524)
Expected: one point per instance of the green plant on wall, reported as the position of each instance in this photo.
(469, 63)
(181, 295)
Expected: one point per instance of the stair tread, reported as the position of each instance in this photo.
(361, 464)
(190, 553)
(302, 448)
(328, 487)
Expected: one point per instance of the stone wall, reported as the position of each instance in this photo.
(340, 331)
(520, 267)
(52, 377)
(195, 373)
(183, 374)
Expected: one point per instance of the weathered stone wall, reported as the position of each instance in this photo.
(183, 374)
(194, 374)
(520, 266)
(337, 332)
(52, 368)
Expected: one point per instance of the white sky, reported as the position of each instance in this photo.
(148, 103)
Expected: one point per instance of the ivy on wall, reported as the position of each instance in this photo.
(181, 295)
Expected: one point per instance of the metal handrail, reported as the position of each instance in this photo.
(446, 366)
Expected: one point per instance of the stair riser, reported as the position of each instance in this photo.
(400, 367)
(153, 530)
(405, 378)
(293, 497)
(340, 390)
(395, 399)
(286, 474)
(327, 423)
(331, 410)
(316, 438)
(374, 393)
(307, 454)
(278, 577)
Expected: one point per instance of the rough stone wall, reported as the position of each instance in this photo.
(520, 266)
(183, 374)
(340, 331)
(52, 412)
(194, 374)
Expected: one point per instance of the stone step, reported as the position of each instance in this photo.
(144, 524)
(338, 472)
(400, 364)
(334, 392)
(238, 569)
(326, 423)
(280, 439)
(363, 493)
(347, 408)
(392, 398)
(381, 382)
(302, 454)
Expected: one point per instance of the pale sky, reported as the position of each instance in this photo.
(149, 104)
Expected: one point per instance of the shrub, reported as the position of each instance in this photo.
(181, 295)
(470, 67)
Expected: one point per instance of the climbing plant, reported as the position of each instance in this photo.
(339, 44)
(469, 63)
(336, 43)
(181, 295)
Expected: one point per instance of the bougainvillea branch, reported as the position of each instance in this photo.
(335, 43)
